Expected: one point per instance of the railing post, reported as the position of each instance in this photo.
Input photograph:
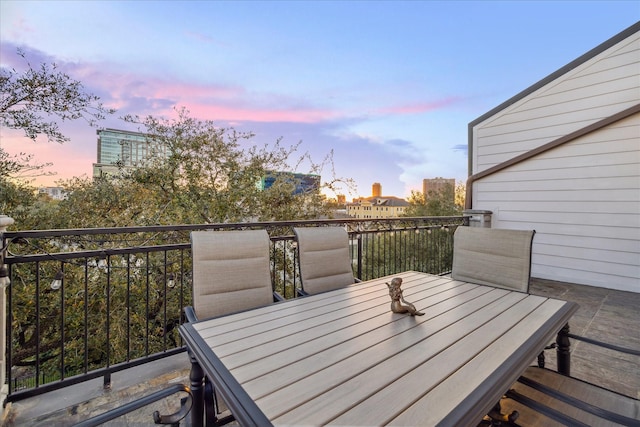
(5, 221)
(359, 256)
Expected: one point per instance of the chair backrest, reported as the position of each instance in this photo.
(493, 257)
(230, 271)
(325, 260)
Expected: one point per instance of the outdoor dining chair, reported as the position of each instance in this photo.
(230, 272)
(325, 259)
(491, 256)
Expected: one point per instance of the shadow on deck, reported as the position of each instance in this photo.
(604, 314)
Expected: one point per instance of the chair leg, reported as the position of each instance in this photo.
(212, 408)
(495, 417)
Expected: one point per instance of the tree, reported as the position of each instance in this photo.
(34, 101)
(202, 173)
(442, 203)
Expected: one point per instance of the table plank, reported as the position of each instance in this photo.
(276, 317)
(308, 360)
(504, 358)
(319, 398)
(244, 351)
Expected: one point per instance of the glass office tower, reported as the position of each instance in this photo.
(123, 149)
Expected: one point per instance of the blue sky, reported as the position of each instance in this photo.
(388, 87)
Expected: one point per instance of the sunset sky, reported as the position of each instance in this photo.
(390, 87)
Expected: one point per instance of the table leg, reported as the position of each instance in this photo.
(196, 375)
(562, 351)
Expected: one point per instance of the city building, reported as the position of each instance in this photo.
(377, 206)
(123, 149)
(437, 185)
(56, 193)
(304, 183)
(376, 189)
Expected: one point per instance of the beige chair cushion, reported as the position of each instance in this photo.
(493, 257)
(230, 271)
(325, 261)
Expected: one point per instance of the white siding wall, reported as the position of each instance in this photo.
(597, 89)
(583, 198)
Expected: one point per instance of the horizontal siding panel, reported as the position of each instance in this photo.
(609, 78)
(577, 161)
(530, 139)
(627, 171)
(608, 196)
(553, 108)
(605, 140)
(620, 270)
(576, 241)
(552, 184)
(593, 219)
(625, 129)
(561, 124)
(589, 107)
(587, 254)
(535, 137)
(599, 267)
(610, 280)
(615, 209)
(606, 231)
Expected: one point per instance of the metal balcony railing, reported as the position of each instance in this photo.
(85, 303)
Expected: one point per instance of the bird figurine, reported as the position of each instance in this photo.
(398, 304)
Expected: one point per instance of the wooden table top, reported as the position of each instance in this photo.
(343, 358)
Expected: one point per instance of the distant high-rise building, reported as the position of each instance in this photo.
(123, 149)
(376, 189)
(304, 183)
(437, 185)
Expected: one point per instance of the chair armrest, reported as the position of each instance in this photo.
(190, 314)
(597, 343)
(605, 344)
(277, 297)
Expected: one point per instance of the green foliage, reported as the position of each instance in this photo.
(34, 101)
(443, 203)
(199, 173)
(427, 249)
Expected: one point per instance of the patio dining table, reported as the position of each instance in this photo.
(343, 358)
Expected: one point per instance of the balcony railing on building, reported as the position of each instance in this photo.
(85, 303)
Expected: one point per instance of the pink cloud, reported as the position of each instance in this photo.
(261, 115)
(205, 101)
(143, 95)
(421, 107)
(150, 95)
